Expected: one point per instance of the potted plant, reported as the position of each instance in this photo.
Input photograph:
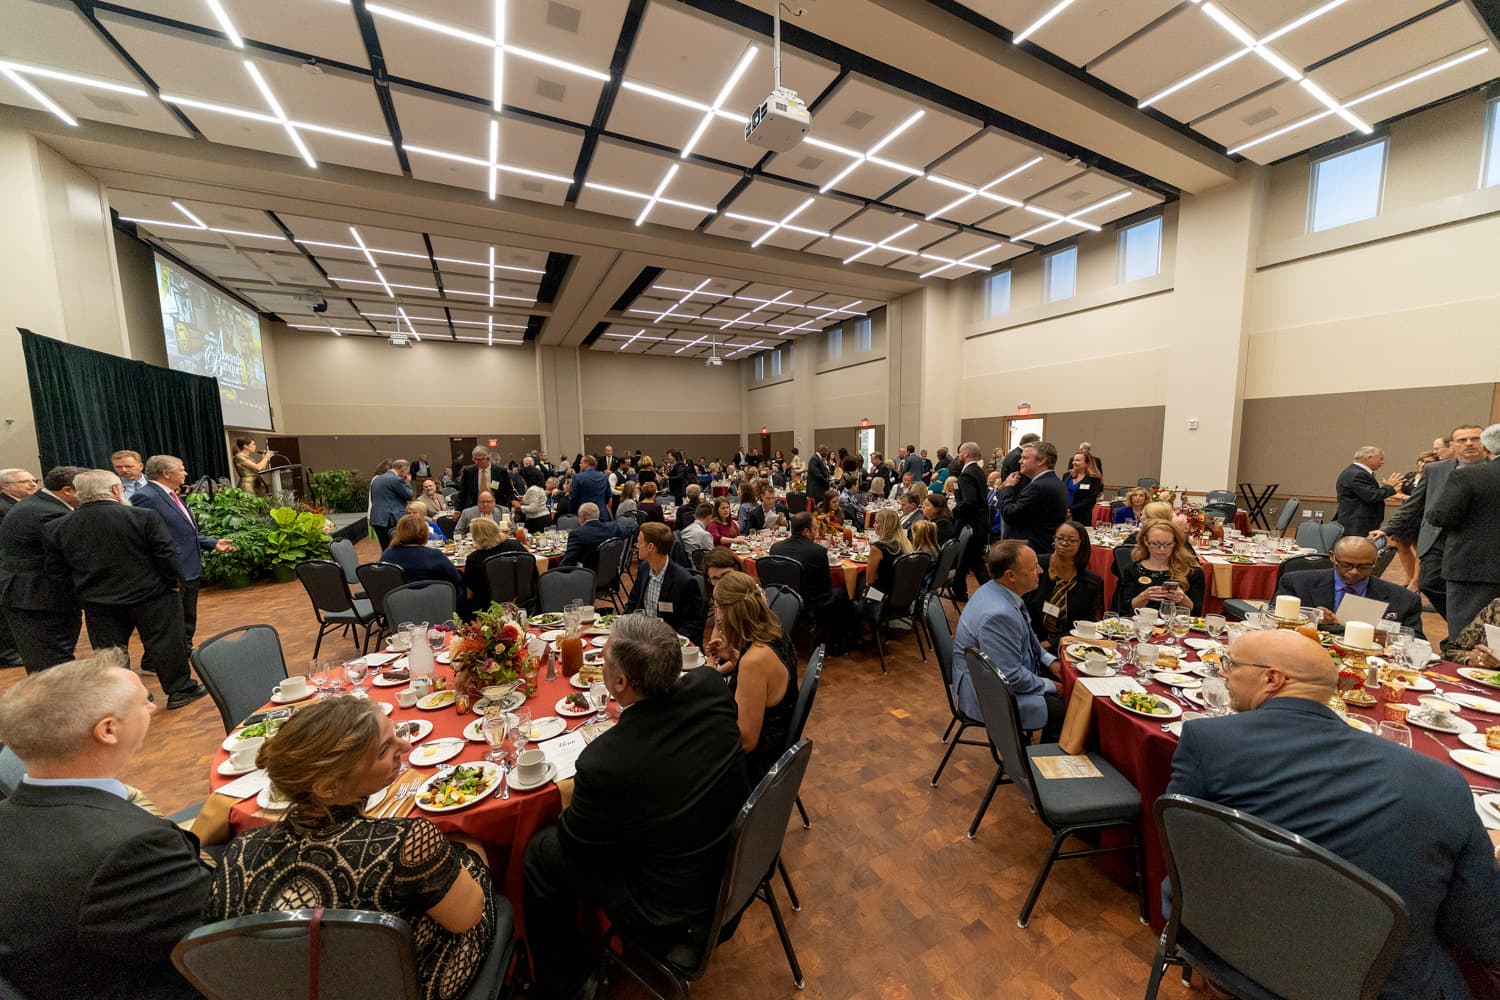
(296, 538)
(237, 568)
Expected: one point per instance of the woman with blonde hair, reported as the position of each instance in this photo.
(761, 664)
(1135, 507)
(645, 470)
(490, 541)
(1163, 568)
(890, 543)
(626, 502)
(924, 537)
(324, 852)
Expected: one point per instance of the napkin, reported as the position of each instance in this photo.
(1080, 714)
(211, 825)
(245, 785)
(562, 753)
(1492, 637)
(1354, 608)
(381, 659)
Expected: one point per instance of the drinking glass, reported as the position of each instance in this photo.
(1418, 652)
(1145, 655)
(496, 729)
(1181, 626)
(1216, 696)
(599, 695)
(1215, 624)
(320, 680)
(1396, 732)
(1126, 649)
(1143, 629)
(520, 731)
(436, 640)
(355, 671)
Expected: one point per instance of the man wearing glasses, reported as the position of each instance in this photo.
(1353, 573)
(1287, 759)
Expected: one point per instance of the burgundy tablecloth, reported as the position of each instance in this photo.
(1104, 514)
(1256, 581)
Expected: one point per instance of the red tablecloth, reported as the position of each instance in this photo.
(1104, 514)
(1255, 581)
(847, 574)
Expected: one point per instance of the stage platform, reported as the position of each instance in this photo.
(350, 526)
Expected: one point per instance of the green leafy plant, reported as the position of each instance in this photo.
(338, 490)
(229, 511)
(251, 556)
(296, 537)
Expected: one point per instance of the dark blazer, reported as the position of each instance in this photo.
(116, 554)
(755, 520)
(1085, 602)
(389, 495)
(1090, 490)
(679, 589)
(533, 475)
(1415, 828)
(1314, 587)
(97, 892)
(677, 479)
(1409, 522)
(1033, 512)
(817, 476)
(32, 576)
(816, 586)
(6, 503)
(1361, 500)
(1469, 508)
(584, 542)
(973, 502)
(1011, 462)
(500, 487)
(423, 563)
(591, 486)
(475, 576)
(658, 793)
(190, 542)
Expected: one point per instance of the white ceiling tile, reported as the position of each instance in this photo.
(1223, 86)
(625, 167)
(1173, 48)
(1085, 31)
(1264, 112)
(1445, 33)
(286, 267)
(324, 29)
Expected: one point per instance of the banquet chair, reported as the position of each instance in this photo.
(379, 579)
(1225, 511)
(240, 667)
(1231, 876)
(679, 552)
(447, 524)
(513, 579)
(1329, 534)
(941, 636)
(343, 553)
(566, 522)
(556, 587)
(1219, 496)
(430, 601)
(1068, 807)
(796, 503)
(1385, 555)
(1238, 609)
(755, 840)
(541, 522)
(1147, 483)
(779, 571)
(806, 693)
(908, 577)
(786, 605)
(361, 955)
(333, 605)
(611, 567)
(1287, 514)
(947, 561)
(1310, 536)
(698, 555)
(449, 491)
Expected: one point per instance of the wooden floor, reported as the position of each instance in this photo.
(897, 901)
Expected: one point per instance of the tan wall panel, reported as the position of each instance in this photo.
(714, 447)
(363, 452)
(138, 292)
(1127, 440)
(630, 395)
(849, 395)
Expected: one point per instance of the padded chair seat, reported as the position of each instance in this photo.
(1238, 610)
(362, 610)
(1069, 801)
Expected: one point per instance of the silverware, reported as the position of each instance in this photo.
(1433, 736)
(504, 792)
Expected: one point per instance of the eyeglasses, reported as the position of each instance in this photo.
(1228, 663)
(1161, 545)
(1354, 567)
(1064, 540)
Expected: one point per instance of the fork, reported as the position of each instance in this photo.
(1433, 736)
(504, 792)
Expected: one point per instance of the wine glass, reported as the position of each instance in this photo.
(1215, 624)
(496, 728)
(1145, 655)
(436, 641)
(520, 730)
(1215, 693)
(355, 671)
(1396, 732)
(1181, 625)
(599, 695)
(317, 677)
(1127, 655)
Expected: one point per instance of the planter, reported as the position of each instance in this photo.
(283, 573)
(237, 581)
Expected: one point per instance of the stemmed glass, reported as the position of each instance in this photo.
(356, 671)
(1181, 625)
(599, 695)
(1215, 696)
(316, 676)
(1215, 624)
(496, 729)
(1396, 732)
(520, 730)
(1127, 655)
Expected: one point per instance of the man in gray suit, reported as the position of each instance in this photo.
(1409, 522)
(484, 510)
(390, 492)
(1470, 511)
(1361, 498)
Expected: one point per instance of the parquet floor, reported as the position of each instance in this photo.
(897, 902)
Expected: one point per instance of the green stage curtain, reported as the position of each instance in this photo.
(88, 404)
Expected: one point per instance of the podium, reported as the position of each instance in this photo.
(273, 480)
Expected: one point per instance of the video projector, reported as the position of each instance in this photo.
(779, 123)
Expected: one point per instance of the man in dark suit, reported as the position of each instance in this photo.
(97, 889)
(1353, 564)
(971, 511)
(1469, 511)
(1410, 522)
(584, 540)
(665, 589)
(1033, 511)
(1274, 760)
(1361, 497)
(832, 610)
(40, 606)
(645, 835)
(421, 468)
(126, 574)
(590, 486)
(817, 473)
(15, 485)
(769, 513)
(481, 476)
(687, 508)
(390, 492)
(165, 475)
(607, 462)
(910, 509)
(1011, 463)
(911, 464)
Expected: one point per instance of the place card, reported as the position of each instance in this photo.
(562, 753)
(1492, 638)
(381, 659)
(1354, 608)
(1071, 766)
(1103, 687)
(245, 785)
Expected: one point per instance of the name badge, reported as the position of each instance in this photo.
(1051, 609)
(665, 607)
(1144, 581)
(1084, 486)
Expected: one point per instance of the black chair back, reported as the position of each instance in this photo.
(786, 605)
(908, 578)
(796, 503)
(1002, 721)
(942, 640)
(611, 565)
(779, 571)
(513, 579)
(702, 582)
(556, 587)
(679, 552)
(323, 579)
(1299, 563)
(240, 667)
(566, 522)
(805, 695)
(698, 556)
(1124, 556)
(430, 601)
(1383, 560)
(947, 560)
(342, 551)
(379, 579)
(447, 524)
(1223, 511)
(1231, 877)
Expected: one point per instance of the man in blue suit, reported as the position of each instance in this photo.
(1353, 565)
(584, 540)
(165, 475)
(995, 622)
(390, 492)
(1405, 818)
(590, 486)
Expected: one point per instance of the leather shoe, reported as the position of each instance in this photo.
(180, 699)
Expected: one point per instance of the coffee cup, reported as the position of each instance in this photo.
(531, 765)
(291, 688)
(1089, 630)
(1095, 666)
(1438, 710)
(401, 642)
(407, 698)
(242, 758)
(689, 656)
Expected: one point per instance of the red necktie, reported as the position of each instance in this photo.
(180, 505)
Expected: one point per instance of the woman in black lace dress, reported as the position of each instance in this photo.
(761, 664)
(326, 760)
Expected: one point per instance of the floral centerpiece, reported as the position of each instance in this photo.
(1155, 494)
(491, 648)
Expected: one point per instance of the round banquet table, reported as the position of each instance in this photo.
(1141, 751)
(1221, 579)
(1104, 514)
(846, 574)
(543, 562)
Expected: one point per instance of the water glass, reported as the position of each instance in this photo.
(1181, 626)
(520, 730)
(1215, 624)
(1396, 732)
(599, 695)
(355, 671)
(1215, 692)
(1145, 655)
(496, 728)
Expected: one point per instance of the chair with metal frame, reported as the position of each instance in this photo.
(447, 524)
(513, 579)
(556, 587)
(333, 605)
(342, 551)
(1219, 496)
(947, 561)
(779, 571)
(1330, 534)
(611, 570)
(1238, 609)
(1310, 536)
(430, 601)
(1068, 807)
(935, 619)
(379, 579)
(786, 605)
(239, 667)
(1287, 515)
(1147, 483)
(908, 576)
(566, 522)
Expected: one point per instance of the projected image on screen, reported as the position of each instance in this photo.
(208, 333)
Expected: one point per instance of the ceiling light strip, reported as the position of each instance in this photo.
(222, 16)
(882, 245)
(780, 225)
(195, 220)
(276, 109)
(36, 95)
(672, 308)
(869, 155)
(498, 68)
(724, 94)
(656, 195)
(492, 172)
(1041, 22)
(26, 69)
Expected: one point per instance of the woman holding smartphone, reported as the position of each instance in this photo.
(1162, 569)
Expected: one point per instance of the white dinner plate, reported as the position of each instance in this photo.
(1477, 760)
(443, 657)
(419, 730)
(1475, 740)
(491, 782)
(513, 699)
(1474, 701)
(551, 635)
(599, 641)
(384, 679)
(1172, 709)
(1458, 727)
(563, 708)
(1077, 652)
(436, 700)
(1203, 644)
(550, 619)
(474, 731)
(1490, 805)
(432, 754)
(1170, 678)
(376, 798)
(518, 785)
(577, 681)
(1358, 723)
(547, 727)
(1479, 675)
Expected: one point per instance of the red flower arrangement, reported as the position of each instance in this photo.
(491, 648)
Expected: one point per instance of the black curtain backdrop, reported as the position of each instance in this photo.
(89, 404)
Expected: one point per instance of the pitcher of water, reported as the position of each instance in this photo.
(419, 659)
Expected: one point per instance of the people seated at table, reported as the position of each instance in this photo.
(1412, 825)
(1162, 568)
(484, 476)
(410, 551)
(535, 508)
(829, 605)
(687, 509)
(97, 890)
(584, 541)
(326, 760)
(1470, 646)
(890, 544)
(995, 621)
(1134, 511)
(695, 537)
(649, 509)
(924, 539)
(936, 509)
(644, 836)
(1353, 568)
(434, 533)
(1160, 510)
(768, 513)
(723, 525)
(909, 506)
(625, 503)
(828, 517)
(750, 649)
(1068, 592)
(749, 499)
(1085, 488)
(485, 509)
(432, 499)
(664, 588)
(490, 540)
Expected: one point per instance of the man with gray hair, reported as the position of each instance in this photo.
(97, 889)
(1361, 498)
(1469, 511)
(40, 606)
(584, 540)
(126, 573)
(390, 492)
(15, 485)
(653, 799)
(481, 476)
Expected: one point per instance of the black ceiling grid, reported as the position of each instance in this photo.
(86, 8)
(642, 281)
(628, 31)
(373, 52)
(437, 279)
(551, 283)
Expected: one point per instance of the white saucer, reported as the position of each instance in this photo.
(280, 699)
(380, 680)
(1461, 726)
(517, 785)
(551, 635)
(228, 770)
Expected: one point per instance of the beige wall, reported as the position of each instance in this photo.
(1127, 441)
(627, 396)
(141, 302)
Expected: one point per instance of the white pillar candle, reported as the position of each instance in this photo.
(1360, 634)
(1288, 606)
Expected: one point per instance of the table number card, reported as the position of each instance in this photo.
(1072, 766)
